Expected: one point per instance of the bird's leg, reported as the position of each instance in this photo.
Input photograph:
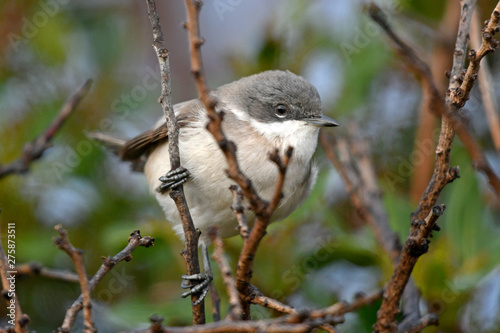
(172, 179)
(204, 278)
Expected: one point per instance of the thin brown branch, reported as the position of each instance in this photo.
(486, 85)
(215, 124)
(190, 252)
(34, 150)
(256, 297)
(424, 140)
(423, 219)
(462, 82)
(360, 180)
(282, 166)
(261, 208)
(438, 105)
(135, 240)
(38, 269)
(268, 326)
(302, 321)
(15, 315)
(214, 296)
(342, 308)
(356, 169)
(76, 256)
(250, 245)
(238, 209)
(235, 311)
(270, 303)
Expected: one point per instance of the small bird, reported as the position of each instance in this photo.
(262, 112)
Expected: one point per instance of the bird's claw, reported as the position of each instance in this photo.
(173, 179)
(201, 288)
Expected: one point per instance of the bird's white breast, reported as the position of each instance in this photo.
(207, 192)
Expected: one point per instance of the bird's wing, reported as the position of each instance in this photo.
(135, 148)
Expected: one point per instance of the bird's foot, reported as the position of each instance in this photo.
(172, 179)
(201, 288)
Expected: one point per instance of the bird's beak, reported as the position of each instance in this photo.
(321, 121)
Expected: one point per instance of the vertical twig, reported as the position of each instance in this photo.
(424, 218)
(428, 118)
(437, 104)
(190, 253)
(261, 208)
(356, 169)
(235, 311)
(239, 211)
(135, 240)
(76, 256)
(486, 85)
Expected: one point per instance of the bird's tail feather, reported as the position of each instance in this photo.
(110, 142)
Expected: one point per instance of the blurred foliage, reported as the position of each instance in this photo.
(320, 254)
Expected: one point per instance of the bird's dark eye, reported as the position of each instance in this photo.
(281, 110)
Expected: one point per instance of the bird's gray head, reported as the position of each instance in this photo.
(275, 97)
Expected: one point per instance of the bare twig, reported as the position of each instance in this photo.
(424, 141)
(235, 310)
(135, 240)
(37, 269)
(423, 219)
(360, 180)
(215, 124)
(256, 297)
(190, 252)
(76, 256)
(437, 103)
(260, 207)
(486, 85)
(34, 150)
(461, 83)
(357, 171)
(270, 303)
(245, 261)
(342, 308)
(302, 321)
(214, 296)
(238, 210)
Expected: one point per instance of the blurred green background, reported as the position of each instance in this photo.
(323, 252)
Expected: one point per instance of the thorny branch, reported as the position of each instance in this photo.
(76, 256)
(190, 252)
(424, 218)
(135, 240)
(34, 150)
(261, 208)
